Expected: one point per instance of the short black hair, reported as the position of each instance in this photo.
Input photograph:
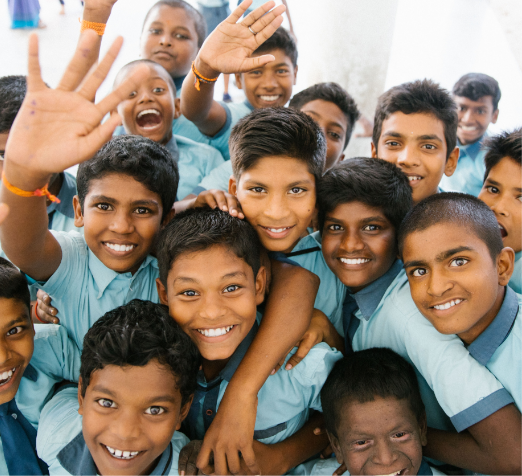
(418, 97)
(273, 132)
(335, 94)
(136, 333)
(123, 71)
(199, 21)
(362, 376)
(280, 40)
(455, 208)
(12, 94)
(200, 228)
(13, 284)
(142, 159)
(477, 85)
(374, 182)
(505, 144)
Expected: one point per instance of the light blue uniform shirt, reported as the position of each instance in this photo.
(83, 289)
(217, 179)
(516, 278)
(61, 445)
(284, 401)
(451, 381)
(469, 175)
(499, 347)
(54, 359)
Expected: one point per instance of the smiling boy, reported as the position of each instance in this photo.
(415, 128)
(110, 425)
(477, 96)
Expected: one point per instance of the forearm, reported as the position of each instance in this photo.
(185, 204)
(96, 14)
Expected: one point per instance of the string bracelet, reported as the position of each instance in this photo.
(40, 192)
(199, 78)
(90, 25)
(36, 313)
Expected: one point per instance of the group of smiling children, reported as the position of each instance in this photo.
(221, 290)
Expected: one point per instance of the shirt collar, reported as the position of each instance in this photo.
(486, 344)
(66, 194)
(103, 276)
(517, 256)
(247, 104)
(30, 373)
(369, 298)
(172, 147)
(76, 459)
(425, 468)
(471, 149)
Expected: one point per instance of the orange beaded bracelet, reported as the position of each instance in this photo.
(200, 79)
(40, 192)
(90, 25)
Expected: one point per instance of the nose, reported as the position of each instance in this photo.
(467, 116)
(276, 208)
(269, 81)
(211, 307)
(499, 205)
(408, 157)
(438, 283)
(384, 455)
(122, 223)
(165, 40)
(351, 242)
(145, 96)
(125, 426)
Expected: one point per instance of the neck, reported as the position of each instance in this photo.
(211, 368)
(167, 138)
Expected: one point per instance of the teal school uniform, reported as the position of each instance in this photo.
(55, 358)
(284, 401)
(218, 179)
(516, 278)
(83, 289)
(469, 175)
(61, 445)
(452, 383)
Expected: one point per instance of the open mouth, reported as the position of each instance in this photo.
(448, 305)
(280, 232)
(270, 98)
(414, 179)
(354, 261)
(503, 231)
(7, 376)
(217, 332)
(122, 454)
(149, 119)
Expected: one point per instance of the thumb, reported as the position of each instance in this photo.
(253, 63)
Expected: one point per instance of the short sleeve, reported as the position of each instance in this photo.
(218, 178)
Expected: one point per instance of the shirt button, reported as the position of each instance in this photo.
(209, 412)
(15, 416)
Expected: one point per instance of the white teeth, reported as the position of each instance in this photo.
(122, 454)
(269, 98)
(277, 230)
(148, 111)
(7, 375)
(116, 247)
(392, 474)
(442, 307)
(412, 178)
(354, 261)
(468, 128)
(215, 332)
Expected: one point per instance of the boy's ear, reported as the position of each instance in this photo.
(260, 285)
(232, 186)
(423, 425)
(495, 117)
(374, 151)
(451, 162)
(295, 74)
(78, 215)
(505, 265)
(239, 84)
(162, 292)
(336, 447)
(177, 108)
(80, 398)
(184, 412)
(342, 158)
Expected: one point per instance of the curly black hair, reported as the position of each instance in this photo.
(12, 94)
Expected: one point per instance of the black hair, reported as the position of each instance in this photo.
(273, 132)
(123, 71)
(477, 85)
(362, 376)
(374, 182)
(12, 94)
(200, 228)
(13, 284)
(138, 157)
(199, 21)
(335, 94)
(505, 144)
(280, 40)
(133, 335)
(455, 208)
(418, 97)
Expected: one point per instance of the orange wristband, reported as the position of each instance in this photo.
(90, 25)
(36, 313)
(200, 79)
(40, 192)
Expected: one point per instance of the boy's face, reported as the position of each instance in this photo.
(453, 280)
(128, 426)
(502, 193)
(150, 110)
(358, 244)
(474, 117)
(271, 85)
(212, 294)
(416, 144)
(16, 346)
(334, 125)
(121, 218)
(277, 196)
(382, 436)
(169, 37)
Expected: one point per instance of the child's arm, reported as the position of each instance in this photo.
(54, 129)
(491, 446)
(286, 318)
(227, 49)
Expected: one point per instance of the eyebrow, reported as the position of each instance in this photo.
(235, 274)
(330, 123)
(16, 321)
(102, 198)
(148, 203)
(421, 137)
(101, 389)
(280, 64)
(498, 184)
(185, 279)
(440, 257)
(375, 218)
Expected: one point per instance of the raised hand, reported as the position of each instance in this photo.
(58, 128)
(229, 48)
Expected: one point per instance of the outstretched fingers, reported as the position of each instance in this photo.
(252, 17)
(34, 73)
(266, 26)
(239, 11)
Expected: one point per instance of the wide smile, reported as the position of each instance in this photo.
(269, 99)
(468, 128)
(119, 249)
(450, 304)
(414, 179)
(352, 263)
(277, 232)
(215, 334)
(149, 120)
(503, 231)
(122, 455)
(7, 377)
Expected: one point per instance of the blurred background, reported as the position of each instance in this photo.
(366, 46)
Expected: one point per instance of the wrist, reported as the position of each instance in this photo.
(98, 15)
(204, 69)
(23, 178)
